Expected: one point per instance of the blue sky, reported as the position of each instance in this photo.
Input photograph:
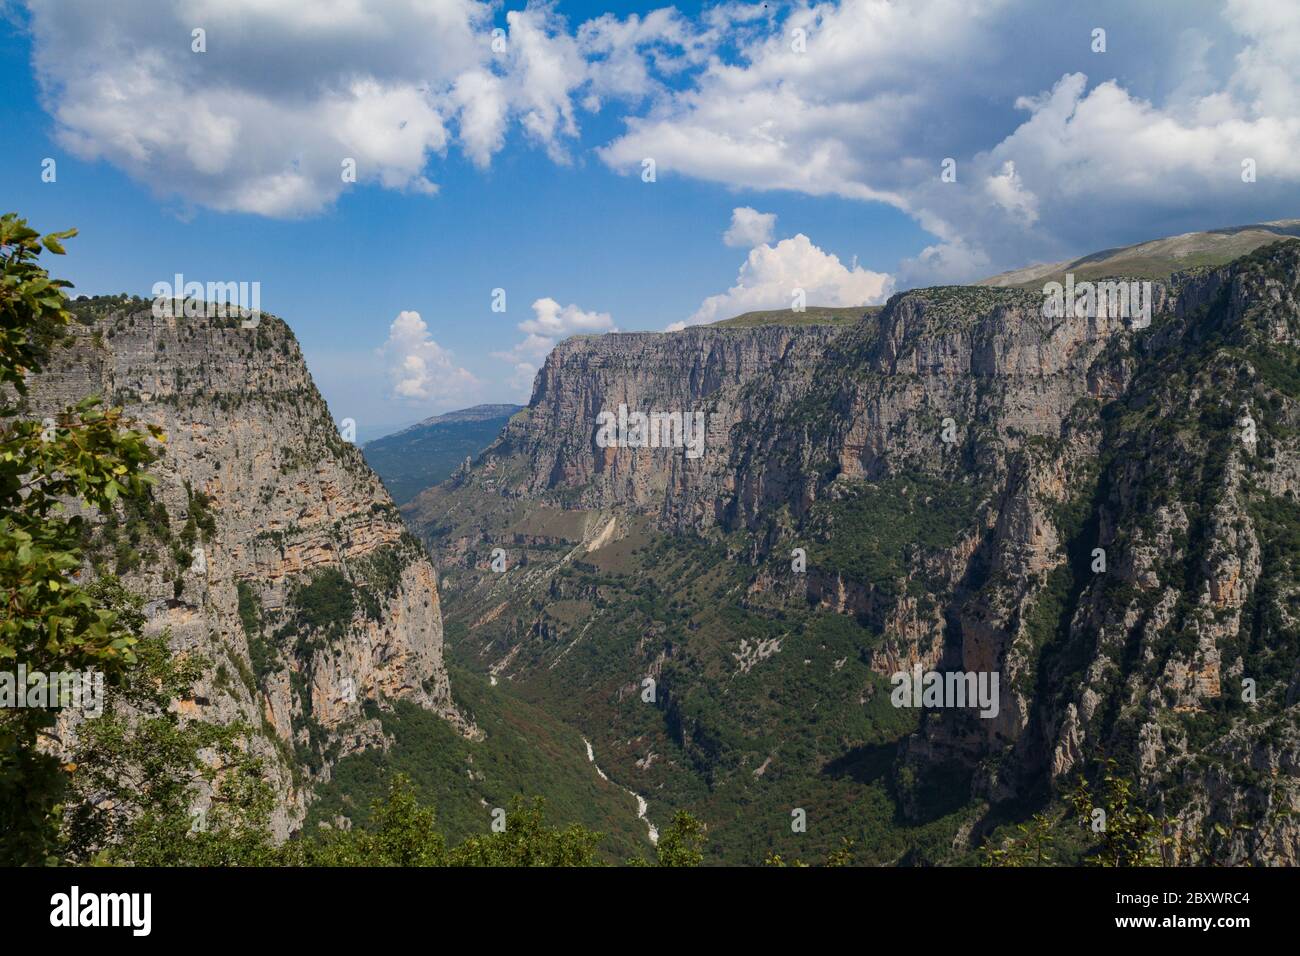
(521, 169)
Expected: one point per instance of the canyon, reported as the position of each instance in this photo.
(1093, 516)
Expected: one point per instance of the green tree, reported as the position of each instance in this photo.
(402, 832)
(1123, 832)
(527, 841)
(843, 854)
(840, 856)
(1035, 845)
(85, 457)
(682, 843)
(1130, 835)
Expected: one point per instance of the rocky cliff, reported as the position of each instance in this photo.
(697, 371)
(1086, 507)
(269, 547)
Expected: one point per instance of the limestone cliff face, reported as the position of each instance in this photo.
(270, 548)
(1188, 647)
(797, 415)
(781, 401)
(1110, 558)
(699, 370)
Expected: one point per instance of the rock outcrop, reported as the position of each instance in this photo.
(269, 547)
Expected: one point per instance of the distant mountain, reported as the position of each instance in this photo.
(428, 452)
(1157, 259)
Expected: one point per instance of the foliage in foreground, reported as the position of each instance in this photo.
(404, 832)
(85, 456)
(1104, 825)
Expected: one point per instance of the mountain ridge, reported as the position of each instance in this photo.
(410, 460)
(474, 413)
(1155, 258)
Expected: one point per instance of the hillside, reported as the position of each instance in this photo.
(269, 547)
(1157, 259)
(426, 453)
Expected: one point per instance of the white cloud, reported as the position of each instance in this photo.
(771, 274)
(885, 91)
(749, 228)
(419, 369)
(1101, 158)
(626, 57)
(1010, 193)
(829, 121)
(551, 322)
(480, 97)
(547, 68)
(942, 259)
(1108, 146)
(554, 320)
(287, 90)
(1266, 78)
(263, 120)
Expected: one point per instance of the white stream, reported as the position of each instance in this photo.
(641, 805)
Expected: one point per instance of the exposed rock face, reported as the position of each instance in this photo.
(272, 549)
(781, 402)
(699, 370)
(1109, 555)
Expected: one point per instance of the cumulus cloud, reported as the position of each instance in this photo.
(629, 58)
(419, 369)
(548, 67)
(480, 99)
(1054, 154)
(880, 93)
(1010, 193)
(263, 120)
(826, 119)
(770, 276)
(550, 323)
(749, 228)
(265, 117)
